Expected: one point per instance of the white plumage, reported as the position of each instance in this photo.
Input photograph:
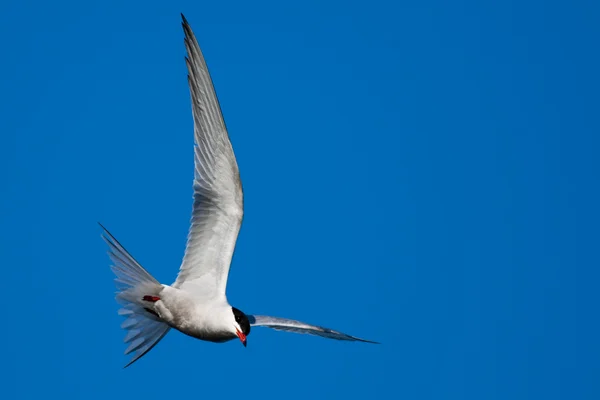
(195, 303)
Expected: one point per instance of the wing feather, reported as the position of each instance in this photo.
(217, 210)
(290, 325)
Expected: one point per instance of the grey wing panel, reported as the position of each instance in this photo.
(218, 198)
(290, 325)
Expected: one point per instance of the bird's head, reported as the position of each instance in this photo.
(241, 325)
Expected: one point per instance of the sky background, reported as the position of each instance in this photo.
(423, 174)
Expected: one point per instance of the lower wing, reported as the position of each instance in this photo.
(289, 325)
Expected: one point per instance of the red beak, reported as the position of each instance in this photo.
(241, 336)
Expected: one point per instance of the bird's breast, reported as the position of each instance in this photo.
(201, 320)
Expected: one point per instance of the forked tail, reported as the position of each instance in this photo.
(144, 328)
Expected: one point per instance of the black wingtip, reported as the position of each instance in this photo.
(103, 228)
(357, 339)
(187, 30)
(106, 235)
(184, 21)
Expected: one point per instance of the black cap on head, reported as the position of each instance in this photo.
(242, 320)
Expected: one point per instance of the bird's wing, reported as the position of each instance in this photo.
(289, 325)
(218, 199)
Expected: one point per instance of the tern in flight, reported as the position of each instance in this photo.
(196, 304)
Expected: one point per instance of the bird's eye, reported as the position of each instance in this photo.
(237, 319)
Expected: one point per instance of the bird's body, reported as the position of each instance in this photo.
(207, 319)
(196, 304)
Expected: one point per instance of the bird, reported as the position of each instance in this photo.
(196, 303)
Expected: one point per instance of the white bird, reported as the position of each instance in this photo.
(196, 304)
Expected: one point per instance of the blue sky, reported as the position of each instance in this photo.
(422, 174)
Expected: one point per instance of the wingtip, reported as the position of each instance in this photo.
(184, 21)
(103, 228)
(105, 232)
(106, 235)
(357, 339)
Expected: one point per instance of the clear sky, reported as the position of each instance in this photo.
(423, 174)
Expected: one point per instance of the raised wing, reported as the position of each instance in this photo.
(289, 325)
(218, 198)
